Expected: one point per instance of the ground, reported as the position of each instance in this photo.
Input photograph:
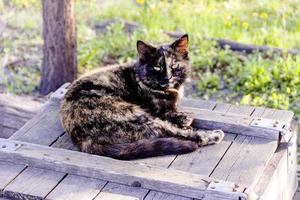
(108, 30)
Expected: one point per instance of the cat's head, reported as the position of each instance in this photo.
(163, 67)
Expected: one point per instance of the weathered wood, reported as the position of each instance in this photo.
(258, 112)
(291, 178)
(15, 113)
(44, 128)
(165, 180)
(60, 92)
(241, 163)
(222, 107)
(6, 132)
(153, 195)
(11, 120)
(65, 142)
(198, 103)
(241, 110)
(160, 161)
(121, 192)
(283, 115)
(230, 123)
(8, 171)
(33, 183)
(204, 160)
(272, 182)
(76, 188)
(16, 104)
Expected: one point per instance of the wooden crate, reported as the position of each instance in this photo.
(256, 160)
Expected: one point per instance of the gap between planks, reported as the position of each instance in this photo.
(165, 180)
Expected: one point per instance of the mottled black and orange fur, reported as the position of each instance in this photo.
(130, 111)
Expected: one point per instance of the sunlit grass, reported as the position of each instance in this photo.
(228, 76)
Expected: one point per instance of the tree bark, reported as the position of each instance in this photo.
(59, 32)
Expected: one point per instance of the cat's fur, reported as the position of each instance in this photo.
(130, 111)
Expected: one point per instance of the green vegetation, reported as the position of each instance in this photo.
(257, 79)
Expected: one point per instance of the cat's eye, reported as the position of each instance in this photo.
(157, 68)
(175, 66)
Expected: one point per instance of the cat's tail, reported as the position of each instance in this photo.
(143, 148)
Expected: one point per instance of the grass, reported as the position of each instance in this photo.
(257, 79)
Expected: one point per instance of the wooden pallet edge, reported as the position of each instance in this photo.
(149, 177)
(231, 123)
(60, 92)
(279, 179)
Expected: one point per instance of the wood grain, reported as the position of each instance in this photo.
(121, 192)
(44, 128)
(231, 123)
(222, 107)
(149, 177)
(245, 160)
(33, 183)
(8, 171)
(204, 160)
(198, 103)
(65, 142)
(153, 195)
(77, 188)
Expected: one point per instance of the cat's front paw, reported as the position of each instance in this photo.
(206, 137)
(183, 120)
(217, 136)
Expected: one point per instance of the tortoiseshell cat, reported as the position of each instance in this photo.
(130, 111)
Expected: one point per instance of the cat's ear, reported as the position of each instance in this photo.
(144, 49)
(181, 45)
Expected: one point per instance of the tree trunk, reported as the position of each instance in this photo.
(59, 61)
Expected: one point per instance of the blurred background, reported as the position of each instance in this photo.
(107, 31)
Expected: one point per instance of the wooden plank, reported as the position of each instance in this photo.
(283, 115)
(6, 132)
(77, 188)
(291, 178)
(121, 192)
(258, 112)
(153, 195)
(241, 163)
(204, 160)
(65, 142)
(11, 120)
(60, 92)
(198, 103)
(17, 103)
(37, 129)
(78, 163)
(33, 183)
(268, 113)
(271, 183)
(230, 123)
(222, 107)
(17, 111)
(241, 110)
(9, 171)
(159, 161)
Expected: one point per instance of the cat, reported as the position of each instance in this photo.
(130, 111)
